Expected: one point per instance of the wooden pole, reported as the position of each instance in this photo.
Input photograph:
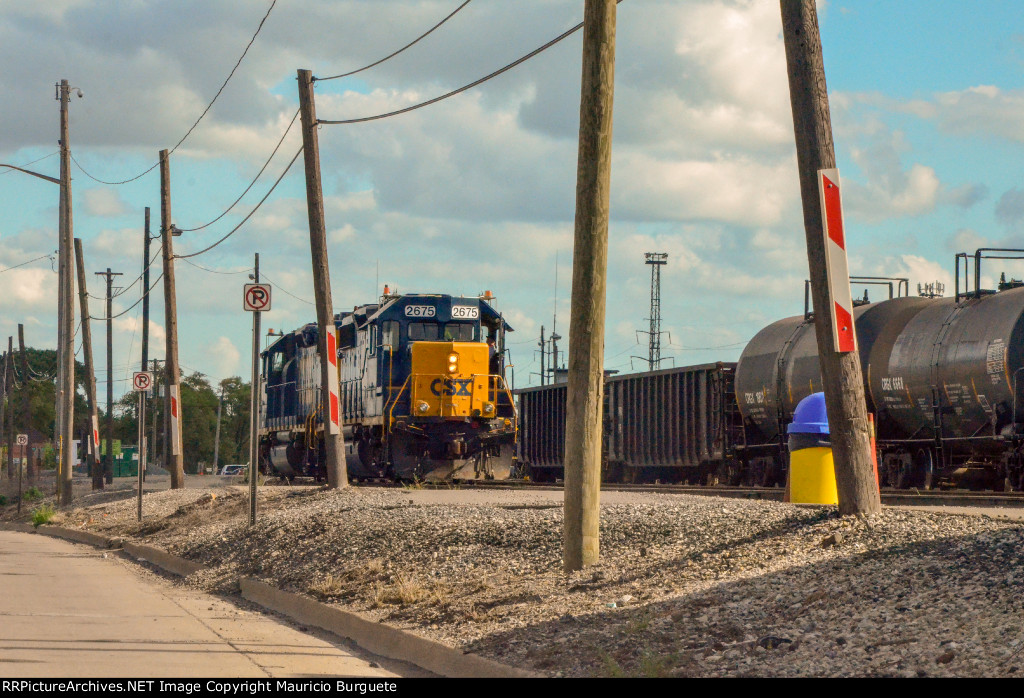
(90, 370)
(337, 473)
(9, 424)
(840, 371)
(108, 462)
(216, 434)
(26, 402)
(4, 388)
(146, 240)
(67, 355)
(589, 276)
(175, 463)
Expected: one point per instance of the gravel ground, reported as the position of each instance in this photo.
(687, 586)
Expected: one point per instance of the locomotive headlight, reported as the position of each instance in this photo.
(453, 363)
(488, 408)
(422, 406)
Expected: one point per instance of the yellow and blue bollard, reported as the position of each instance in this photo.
(812, 475)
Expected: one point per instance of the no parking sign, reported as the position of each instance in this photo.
(256, 298)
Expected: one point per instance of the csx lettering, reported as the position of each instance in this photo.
(448, 387)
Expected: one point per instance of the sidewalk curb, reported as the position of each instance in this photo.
(372, 636)
(162, 559)
(379, 638)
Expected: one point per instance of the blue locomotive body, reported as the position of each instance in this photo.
(407, 411)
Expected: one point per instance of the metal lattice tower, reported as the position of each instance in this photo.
(657, 260)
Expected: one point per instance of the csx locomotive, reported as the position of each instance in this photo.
(422, 388)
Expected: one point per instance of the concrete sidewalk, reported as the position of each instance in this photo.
(70, 610)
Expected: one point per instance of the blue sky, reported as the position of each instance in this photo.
(477, 192)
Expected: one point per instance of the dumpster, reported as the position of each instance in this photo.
(812, 475)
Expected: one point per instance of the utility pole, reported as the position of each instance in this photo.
(337, 473)
(146, 240)
(66, 312)
(254, 410)
(108, 462)
(4, 395)
(3, 402)
(9, 424)
(26, 404)
(216, 434)
(840, 371)
(175, 463)
(589, 280)
(95, 467)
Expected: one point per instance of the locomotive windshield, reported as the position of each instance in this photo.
(451, 332)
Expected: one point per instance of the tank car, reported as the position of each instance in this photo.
(942, 377)
(422, 388)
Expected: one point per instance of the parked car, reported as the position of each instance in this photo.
(234, 469)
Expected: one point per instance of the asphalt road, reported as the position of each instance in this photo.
(70, 610)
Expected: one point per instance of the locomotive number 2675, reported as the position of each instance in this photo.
(420, 311)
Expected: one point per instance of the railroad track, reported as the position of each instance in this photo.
(960, 498)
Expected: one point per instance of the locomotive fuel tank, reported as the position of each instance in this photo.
(954, 369)
(779, 367)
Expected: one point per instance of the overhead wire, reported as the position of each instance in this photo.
(215, 271)
(252, 183)
(248, 215)
(31, 163)
(392, 55)
(45, 256)
(462, 89)
(278, 287)
(114, 317)
(201, 116)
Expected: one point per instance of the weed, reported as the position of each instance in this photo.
(415, 484)
(43, 514)
(612, 668)
(32, 494)
(3, 500)
(653, 666)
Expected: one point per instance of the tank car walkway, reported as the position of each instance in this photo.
(70, 610)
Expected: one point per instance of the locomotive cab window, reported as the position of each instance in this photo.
(391, 335)
(276, 366)
(460, 332)
(423, 331)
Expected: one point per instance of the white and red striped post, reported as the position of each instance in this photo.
(175, 421)
(844, 339)
(95, 438)
(334, 418)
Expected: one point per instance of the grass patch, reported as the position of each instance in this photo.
(43, 514)
(32, 494)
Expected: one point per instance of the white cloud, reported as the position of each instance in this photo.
(224, 356)
(104, 202)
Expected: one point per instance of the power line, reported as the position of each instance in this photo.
(252, 183)
(205, 111)
(392, 55)
(114, 317)
(45, 256)
(215, 271)
(278, 287)
(462, 89)
(247, 217)
(5, 172)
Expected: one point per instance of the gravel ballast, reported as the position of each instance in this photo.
(686, 586)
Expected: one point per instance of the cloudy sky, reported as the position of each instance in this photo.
(477, 192)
